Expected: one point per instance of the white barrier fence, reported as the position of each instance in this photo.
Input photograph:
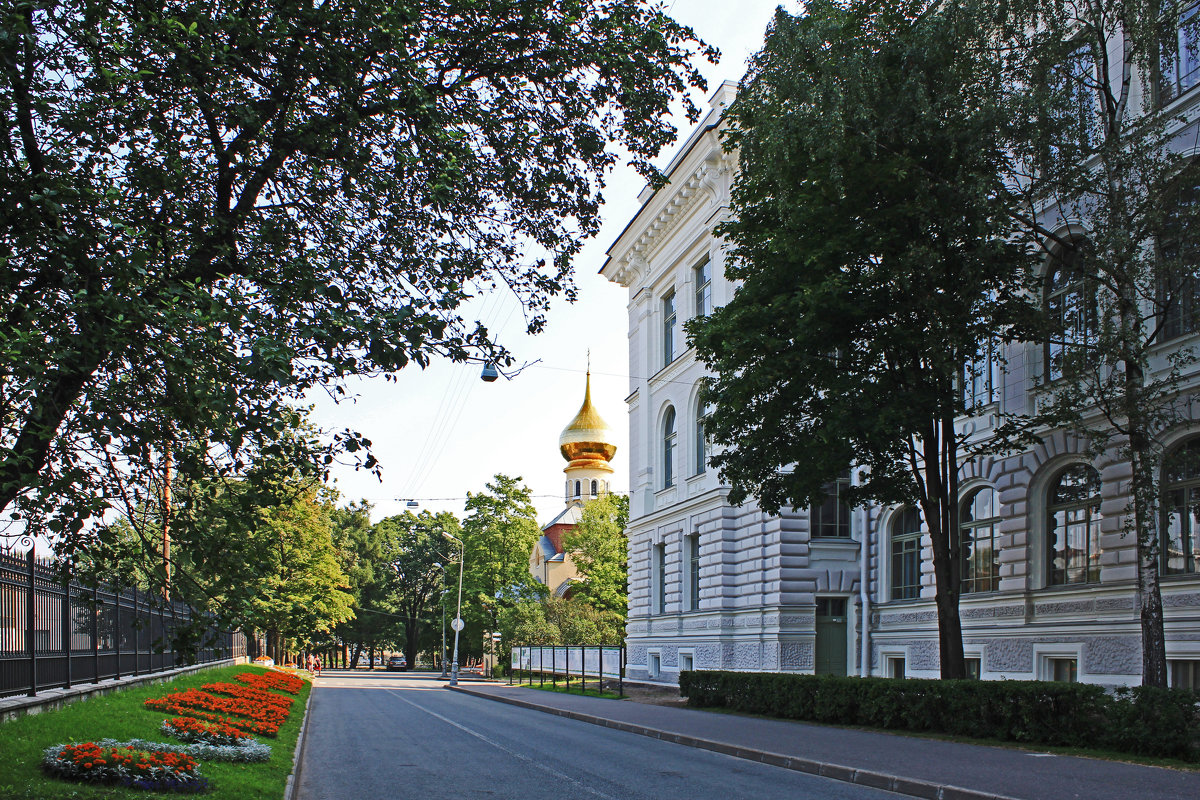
(587, 662)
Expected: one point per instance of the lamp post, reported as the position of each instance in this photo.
(443, 600)
(458, 623)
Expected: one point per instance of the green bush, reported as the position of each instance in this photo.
(1143, 720)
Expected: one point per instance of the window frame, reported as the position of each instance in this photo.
(1189, 485)
(1074, 336)
(910, 542)
(1172, 57)
(669, 443)
(969, 528)
(670, 308)
(692, 553)
(1090, 524)
(834, 490)
(702, 277)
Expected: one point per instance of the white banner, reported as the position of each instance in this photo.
(589, 661)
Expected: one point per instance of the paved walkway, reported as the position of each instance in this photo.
(909, 765)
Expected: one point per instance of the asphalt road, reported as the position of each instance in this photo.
(385, 736)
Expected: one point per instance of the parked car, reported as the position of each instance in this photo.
(397, 664)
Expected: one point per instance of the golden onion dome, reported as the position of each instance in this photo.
(587, 437)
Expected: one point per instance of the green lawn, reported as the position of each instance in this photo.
(121, 716)
(561, 688)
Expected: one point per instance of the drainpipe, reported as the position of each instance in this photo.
(864, 593)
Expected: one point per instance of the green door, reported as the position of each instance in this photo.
(831, 636)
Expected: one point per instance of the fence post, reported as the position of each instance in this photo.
(554, 665)
(117, 628)
(137, 649)
(621, 670)
(511, 662)
(31, 621)
(95, 635)
(66, 627)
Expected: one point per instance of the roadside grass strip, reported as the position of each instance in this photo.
(146, 765)
(47, 758)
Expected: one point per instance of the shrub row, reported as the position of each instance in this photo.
(1141, 720)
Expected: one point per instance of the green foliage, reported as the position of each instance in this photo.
(560, 621)
(1107, 171)
(362, 549)
(1158, 722)
(416, 550)
(498, 534)
(872, 239)
(210, 209)
(598, 549)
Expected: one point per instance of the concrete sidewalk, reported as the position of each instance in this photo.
(918, 767)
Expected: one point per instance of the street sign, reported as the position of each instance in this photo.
(496, 636)
(457, 624)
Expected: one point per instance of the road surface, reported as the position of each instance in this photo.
(377, 736)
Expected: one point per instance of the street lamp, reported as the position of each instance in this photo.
(443, 596)
(457, 624)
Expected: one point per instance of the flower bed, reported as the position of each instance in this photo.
(136, 764)
(203, 705)
(271, 680)
(251, 695)
(187, 729)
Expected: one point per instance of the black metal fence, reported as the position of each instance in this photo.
(54, 635)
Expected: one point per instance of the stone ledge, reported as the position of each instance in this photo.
(48, 699)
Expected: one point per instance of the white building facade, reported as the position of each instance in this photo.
(1050, 583)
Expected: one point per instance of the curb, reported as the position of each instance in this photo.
(837, 772)
(293, 780)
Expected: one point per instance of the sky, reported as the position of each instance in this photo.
(442, 432)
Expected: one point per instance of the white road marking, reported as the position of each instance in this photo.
(515, 754)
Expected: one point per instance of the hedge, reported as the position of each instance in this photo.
(1143, 720)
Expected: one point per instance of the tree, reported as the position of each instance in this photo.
(598, 549)
(869, 239)
(561, 621)
(362, 549)
(416, 550)
(1110, 185)
(498, 533)
(210, 209)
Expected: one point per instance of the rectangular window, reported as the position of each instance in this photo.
(703, 277)
(1180, 62)
(1184, 674)
(670, 318)
(1065, 670)
(981, 378)
(685, 662)
(974, 668)
(906, 566)
(831, 519)
(660, 578)
(1179, 258)
(895, 667)
(693, 556)
(655, 665)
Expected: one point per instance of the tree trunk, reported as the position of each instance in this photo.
(940, 506)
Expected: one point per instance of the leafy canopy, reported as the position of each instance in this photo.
(210, 208)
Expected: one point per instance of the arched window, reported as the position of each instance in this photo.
(595, 486)
(701, 443)
(668, 448)
(831, 519)
(578, 489)
(1070, 305)
(980, 558)
(1073, 526)
(1181, 507)
(906, 554)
